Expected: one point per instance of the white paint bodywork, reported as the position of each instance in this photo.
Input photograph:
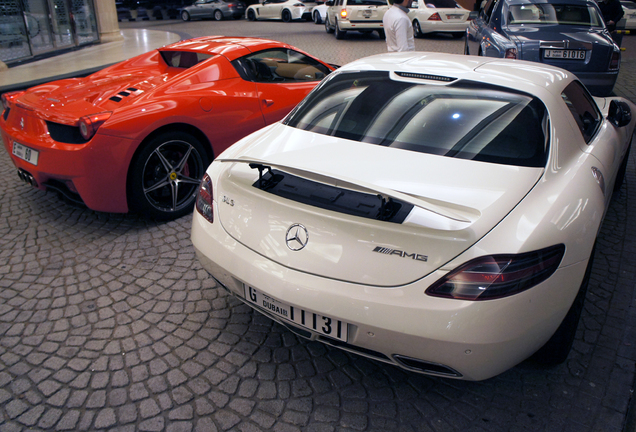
(451, 20)
(274, 10)
(464, 209)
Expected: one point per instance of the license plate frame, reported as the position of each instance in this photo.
(25, 153)
(564, 54)
(454, 16)
(318, 323)
(367, 13)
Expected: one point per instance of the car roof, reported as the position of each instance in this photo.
(231, 47)
(541, 80)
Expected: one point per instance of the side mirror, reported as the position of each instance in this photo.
(619, 113)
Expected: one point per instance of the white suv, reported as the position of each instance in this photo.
(355, 15)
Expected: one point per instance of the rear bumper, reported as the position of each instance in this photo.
(347, 25)
(399, 325)
(97, 170)
(442, 27)
(598, 83)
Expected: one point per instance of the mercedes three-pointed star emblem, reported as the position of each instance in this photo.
(296, 237)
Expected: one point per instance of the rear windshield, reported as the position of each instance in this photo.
(183, 59)
(462, 121)
(562, 14)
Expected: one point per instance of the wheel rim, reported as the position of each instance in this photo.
(184, 16)
(171, 175)
(416, 27)
(218, 15)
(316, 20)
(286, 16)
(251, 16)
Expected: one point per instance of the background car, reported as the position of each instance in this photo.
(217, 9)
(438, 16)
(319, 13)
(569, 34)
(629, 7)
(285, 10)
(364, 16)
(432, 211)
(138, 135)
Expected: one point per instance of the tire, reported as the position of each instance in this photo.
(286, 16)
(382, 34)
(164, 176)
(218, 15)
(340, 34)
(417, 30)
(458, 35)
(328, 29)
(556, 349)
(251, 16)
(185, 16)
(317, 19)
(620, 176)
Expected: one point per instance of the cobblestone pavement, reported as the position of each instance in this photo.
(108, 322)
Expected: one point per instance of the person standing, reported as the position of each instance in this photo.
(398, 28)
(612, 13)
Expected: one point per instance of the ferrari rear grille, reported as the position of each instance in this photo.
(333, 198)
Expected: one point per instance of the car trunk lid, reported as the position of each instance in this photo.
(332, 192)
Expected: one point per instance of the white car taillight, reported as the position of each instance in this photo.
(89, 124)
(205, 196)
(343, 13)
(434, 17)
(497, 276)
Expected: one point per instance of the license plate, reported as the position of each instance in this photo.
(25, 153)
(454, 17)
(565, 54)
(366, 13)
(316, 322)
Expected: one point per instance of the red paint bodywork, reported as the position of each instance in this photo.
(210, 100)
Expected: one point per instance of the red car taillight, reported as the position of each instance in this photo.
(343, 13)
(89, 124)
(615, 62)
(497, 276)
(205, 197)
(8, 101)
(511, 53)
(434, 17)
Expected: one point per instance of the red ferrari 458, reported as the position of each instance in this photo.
(138, 136)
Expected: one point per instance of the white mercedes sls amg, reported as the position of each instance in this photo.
(433, 211)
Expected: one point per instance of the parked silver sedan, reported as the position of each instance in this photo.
(217, 9)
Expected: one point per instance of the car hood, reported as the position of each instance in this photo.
(455, 203)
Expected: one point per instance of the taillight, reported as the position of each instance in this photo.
(511, 53)
(435, 17)
(615, 62)
(7, 102)
(89, 124)
(497, 276)
(343, 13)
(204, 199)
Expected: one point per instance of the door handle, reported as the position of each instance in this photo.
(268, 102)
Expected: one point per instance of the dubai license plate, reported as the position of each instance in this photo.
(565, 54)
(316, 322)
(25, 153)
(454, 16)
(366, 13)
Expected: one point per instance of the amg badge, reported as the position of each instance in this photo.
(389, 251)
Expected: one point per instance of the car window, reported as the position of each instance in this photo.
(461, 121)
(487, 9)
(280, 65)
(441, 4)
(183, 59)
(366, 3)
(580, 15)
(583, 109)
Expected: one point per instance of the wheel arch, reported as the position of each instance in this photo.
(173, 127)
